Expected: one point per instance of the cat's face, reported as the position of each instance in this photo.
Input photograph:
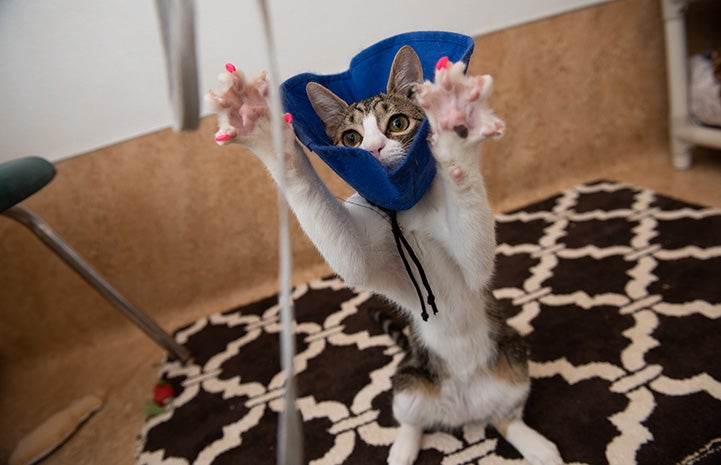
(385, 124)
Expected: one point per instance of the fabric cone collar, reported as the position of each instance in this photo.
(393, 189)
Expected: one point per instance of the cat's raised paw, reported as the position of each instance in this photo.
(458, 103)
(240, 104)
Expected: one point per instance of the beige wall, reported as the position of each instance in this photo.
(180, 225)
(580, 92)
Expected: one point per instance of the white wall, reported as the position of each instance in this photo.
(81, 74)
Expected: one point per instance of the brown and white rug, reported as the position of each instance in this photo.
(618, 290)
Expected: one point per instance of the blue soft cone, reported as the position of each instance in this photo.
(393, 189)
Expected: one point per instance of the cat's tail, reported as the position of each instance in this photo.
(390, 327)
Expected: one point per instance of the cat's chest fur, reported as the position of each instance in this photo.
(458, 333)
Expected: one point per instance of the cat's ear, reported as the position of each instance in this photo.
(406, 72)
(330, 108)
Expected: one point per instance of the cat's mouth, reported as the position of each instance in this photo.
(391, 158)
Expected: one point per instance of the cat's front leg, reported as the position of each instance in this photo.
(535, 448)
(338, 231)
(244, 116)
(457, 109)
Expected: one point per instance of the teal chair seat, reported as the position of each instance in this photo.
(21, 178)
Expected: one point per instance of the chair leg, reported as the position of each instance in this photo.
(43, 230)
(681, 153)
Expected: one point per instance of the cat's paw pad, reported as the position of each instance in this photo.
(458, 103)
(241, 104)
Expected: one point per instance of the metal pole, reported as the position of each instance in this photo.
(43, 230)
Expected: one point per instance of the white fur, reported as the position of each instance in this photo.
(534, 447)
(385, 149)
(405, 449)
(481, 398)
(451, 229)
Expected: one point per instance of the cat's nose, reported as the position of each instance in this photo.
(376, 148)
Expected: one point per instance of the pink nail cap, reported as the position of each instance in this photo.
(442, 63)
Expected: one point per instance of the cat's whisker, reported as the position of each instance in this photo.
(380, 212)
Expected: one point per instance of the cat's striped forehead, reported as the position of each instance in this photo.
(382, 106)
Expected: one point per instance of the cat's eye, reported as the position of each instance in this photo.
(351, 138)
(398, 123)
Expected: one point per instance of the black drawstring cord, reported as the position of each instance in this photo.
(402, 243)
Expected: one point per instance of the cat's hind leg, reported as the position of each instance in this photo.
(534, 447)
(414, 406)
(406, 446)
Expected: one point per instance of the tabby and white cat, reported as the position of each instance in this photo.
(385, 124)
(465, 363)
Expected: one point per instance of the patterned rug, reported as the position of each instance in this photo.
(616, 288)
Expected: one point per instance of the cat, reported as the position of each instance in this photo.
(464, 364)
(385, 124)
